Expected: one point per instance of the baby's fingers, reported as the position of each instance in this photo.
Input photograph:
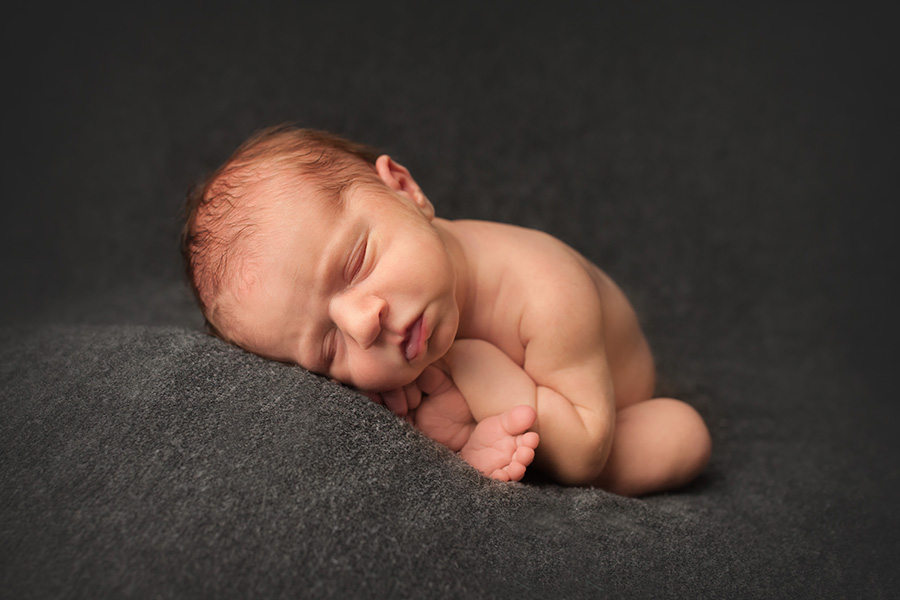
(433, 381)
(413, 396)
(395, 400)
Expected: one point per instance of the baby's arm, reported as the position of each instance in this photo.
(499, 446)
(575, 438)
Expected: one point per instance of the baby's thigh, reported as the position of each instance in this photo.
(633, 370)
(628, 354)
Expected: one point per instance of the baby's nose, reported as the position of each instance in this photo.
(360, 317)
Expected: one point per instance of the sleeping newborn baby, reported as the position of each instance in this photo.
(500, 342)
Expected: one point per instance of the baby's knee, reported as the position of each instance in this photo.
(693, 441)
(662, 444)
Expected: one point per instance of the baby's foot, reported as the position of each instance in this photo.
(501, 447)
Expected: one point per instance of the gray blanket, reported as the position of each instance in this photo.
(145, 460)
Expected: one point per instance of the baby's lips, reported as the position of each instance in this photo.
(413, 342)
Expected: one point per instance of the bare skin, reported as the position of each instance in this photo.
(494, 340)
(500, 446)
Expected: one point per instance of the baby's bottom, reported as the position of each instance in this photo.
(659, 444)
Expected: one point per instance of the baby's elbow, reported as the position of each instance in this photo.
(578, 476)
(575, 440)
(580, 472)
(588, 458)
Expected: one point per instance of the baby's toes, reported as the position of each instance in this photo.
(530, 439)
(515, 471)
(501, 475)
(523, 456)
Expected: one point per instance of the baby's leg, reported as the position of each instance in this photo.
(499, 446)
(658, 444)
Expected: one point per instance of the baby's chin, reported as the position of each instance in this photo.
(386, 385)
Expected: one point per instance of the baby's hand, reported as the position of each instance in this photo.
(401, 401)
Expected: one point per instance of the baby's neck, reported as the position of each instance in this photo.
(456, 247)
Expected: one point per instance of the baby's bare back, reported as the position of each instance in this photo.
(524, 283)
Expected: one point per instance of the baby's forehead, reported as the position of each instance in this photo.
(278, 200)
(279, 264)
(284, 214)
(279, 191)
(275, 205)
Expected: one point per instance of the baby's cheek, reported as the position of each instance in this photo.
(367, 375)
(443, 337)
(383, 378)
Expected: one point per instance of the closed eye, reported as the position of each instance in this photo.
(329, 349)
(358, 260)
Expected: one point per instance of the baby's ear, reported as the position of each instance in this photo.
(397, 177)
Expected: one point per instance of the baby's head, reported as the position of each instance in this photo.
(307, 248)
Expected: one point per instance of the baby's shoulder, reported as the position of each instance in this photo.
(543, 272)
(517, 247)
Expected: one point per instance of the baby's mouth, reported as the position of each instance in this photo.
(412, 345)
